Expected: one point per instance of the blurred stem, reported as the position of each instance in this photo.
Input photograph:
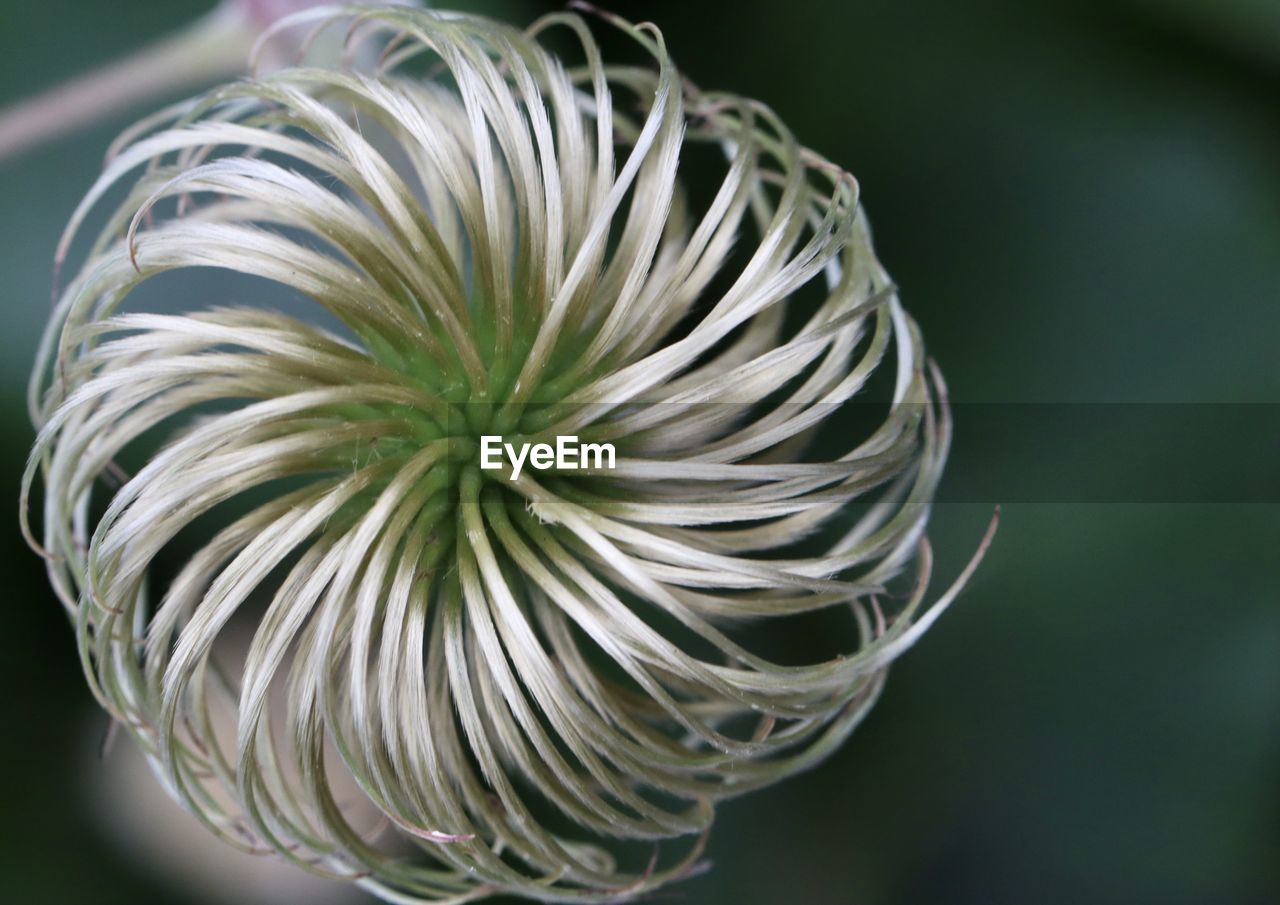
(215, 46)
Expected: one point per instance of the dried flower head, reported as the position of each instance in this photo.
(527, 674)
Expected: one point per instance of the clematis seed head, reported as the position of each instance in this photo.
(532, 674)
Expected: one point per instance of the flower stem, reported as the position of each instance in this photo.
(215, 46)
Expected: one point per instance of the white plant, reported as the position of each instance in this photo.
(522, 673)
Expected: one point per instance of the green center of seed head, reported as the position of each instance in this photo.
(464, 426)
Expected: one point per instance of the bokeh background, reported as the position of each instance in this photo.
(1081, 203)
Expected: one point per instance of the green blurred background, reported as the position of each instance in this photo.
(1081, 203)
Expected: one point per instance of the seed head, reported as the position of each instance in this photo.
(524, 673)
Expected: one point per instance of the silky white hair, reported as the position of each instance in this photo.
(525, 677)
